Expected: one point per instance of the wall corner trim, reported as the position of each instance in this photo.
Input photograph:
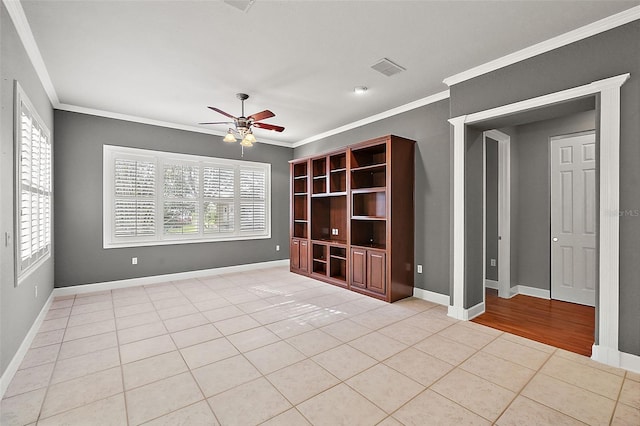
(19, 19)
(13, 366)
(431, 296)
(376, 117)
(573, 36)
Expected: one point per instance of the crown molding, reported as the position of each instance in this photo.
(159, 123)
(16, 12)
(377, 117)
(578, 34)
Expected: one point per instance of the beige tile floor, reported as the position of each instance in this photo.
(271, 347)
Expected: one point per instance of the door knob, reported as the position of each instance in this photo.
(555, 239)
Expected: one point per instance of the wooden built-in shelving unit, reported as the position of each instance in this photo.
(352, 216)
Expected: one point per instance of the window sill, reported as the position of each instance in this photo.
(124, 244)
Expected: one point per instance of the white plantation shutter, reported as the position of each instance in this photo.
(252, 200)
(218, 186)
(154, 198)
(180, 207)
(34, 167)
(134, 188)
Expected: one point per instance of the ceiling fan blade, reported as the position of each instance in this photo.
(222, 112)
(219, 122)
(262, 115)
(269, 127)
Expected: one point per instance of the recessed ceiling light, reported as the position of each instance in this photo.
(360, 90)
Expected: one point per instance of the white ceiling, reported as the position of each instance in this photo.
(168, 60)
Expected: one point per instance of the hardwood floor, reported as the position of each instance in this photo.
(561, 324)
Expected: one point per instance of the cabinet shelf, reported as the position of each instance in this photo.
(299, 194)
(300, 220)
(329, 241)
(300, 177)
(368, 190)
(368, 218)
(329, 194)
(320, 177)
(333, 256)
(320, 260)
(344, 169)
(372, 167)
(370, 246)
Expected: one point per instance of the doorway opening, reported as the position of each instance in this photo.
(538, 260)
(466, 299)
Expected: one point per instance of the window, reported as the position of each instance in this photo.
(153, 198)
(33, 186)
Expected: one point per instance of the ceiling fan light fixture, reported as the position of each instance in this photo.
(249, 136)
(229, 137)
(247, 142)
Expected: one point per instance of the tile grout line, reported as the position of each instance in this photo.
(55, 363)
(124, 391)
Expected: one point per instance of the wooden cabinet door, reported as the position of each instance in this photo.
(359, 268)
(294, 253)
(304, 256)
(377, 271)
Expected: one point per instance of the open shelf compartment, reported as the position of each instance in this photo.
(369, 204)
(368, 233)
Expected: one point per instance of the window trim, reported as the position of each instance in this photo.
(20, 99)
(111, 152)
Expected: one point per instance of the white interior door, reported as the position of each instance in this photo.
(573, 219)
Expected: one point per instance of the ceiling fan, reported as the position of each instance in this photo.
(243, 124)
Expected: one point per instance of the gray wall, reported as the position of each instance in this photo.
(491, 200)
(532, 237)
(78, 204)
(608, 54)
(18, 305)
(428, 126)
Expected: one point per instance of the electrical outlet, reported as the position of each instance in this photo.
(419, 269)
(134, 260)
(493, 262)
(36, 291)
(277, 247)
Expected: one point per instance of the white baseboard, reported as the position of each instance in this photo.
(455, 312)
(13, 366)
(495, 285)
(466, 314)
(615, 358)
(474, 311)
(155, 279)
(431, 296)
(531, 291)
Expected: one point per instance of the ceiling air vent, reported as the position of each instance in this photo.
(387, 67)
(242, 5)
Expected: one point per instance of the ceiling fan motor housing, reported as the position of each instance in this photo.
(243, 123)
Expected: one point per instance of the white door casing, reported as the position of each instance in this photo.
(573, 218)
(504, 209)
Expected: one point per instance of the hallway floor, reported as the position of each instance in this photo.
(275, 348)
(564, 325)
